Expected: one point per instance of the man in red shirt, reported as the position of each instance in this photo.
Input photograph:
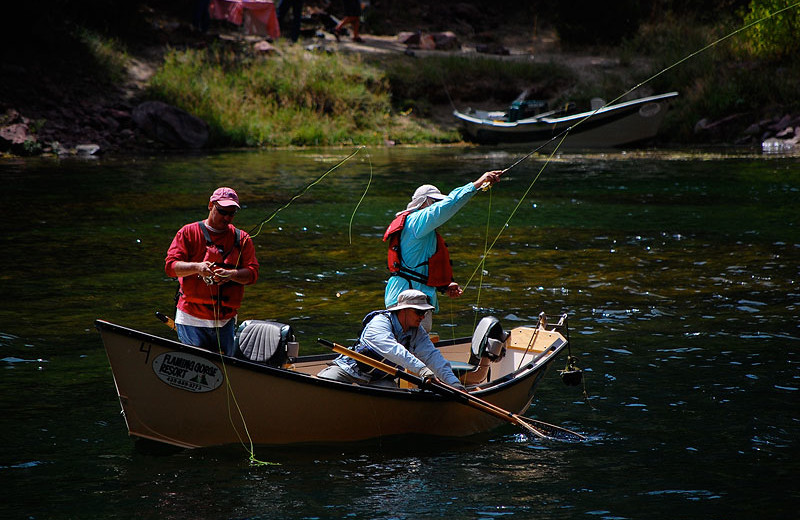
(213, 261)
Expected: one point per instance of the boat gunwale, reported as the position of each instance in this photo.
(549, 121)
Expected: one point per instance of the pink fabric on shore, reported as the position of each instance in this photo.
(259, 16)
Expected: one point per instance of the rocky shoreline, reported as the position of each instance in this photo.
(56, 116)
(83, 130)
(776, 134)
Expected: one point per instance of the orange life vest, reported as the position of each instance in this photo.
(440, 268)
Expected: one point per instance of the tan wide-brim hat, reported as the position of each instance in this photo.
(411, 299)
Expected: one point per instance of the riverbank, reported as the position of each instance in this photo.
(57, 101)
(71, 102)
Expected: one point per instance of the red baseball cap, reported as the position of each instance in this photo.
(225, 197)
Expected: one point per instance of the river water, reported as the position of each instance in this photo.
(679, 271)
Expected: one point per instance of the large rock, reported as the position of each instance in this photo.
(16, 136)
(409, 38)
(446, 41)
(170, 125)
(440, 41)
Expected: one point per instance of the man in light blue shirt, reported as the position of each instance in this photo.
(428, 210)
(394, 336)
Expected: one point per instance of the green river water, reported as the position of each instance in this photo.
(680, 272)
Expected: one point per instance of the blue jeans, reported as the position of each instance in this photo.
(207, 338)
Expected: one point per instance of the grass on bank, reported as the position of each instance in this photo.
(109, 54)
(301, 98)
(294, 97)
(420, 83)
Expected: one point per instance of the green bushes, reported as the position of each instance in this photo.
(727, 80)
(419, 83)
(776, 37)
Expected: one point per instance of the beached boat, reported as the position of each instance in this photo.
(190, 397)
(530, 122)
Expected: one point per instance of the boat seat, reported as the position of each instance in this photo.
(488, 345)
(263, 341)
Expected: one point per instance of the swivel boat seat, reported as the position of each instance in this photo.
(265, 342)
(488, 346)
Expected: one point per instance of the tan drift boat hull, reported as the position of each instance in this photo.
(190, 397)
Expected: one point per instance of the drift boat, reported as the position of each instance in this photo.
(190, 397)
(604, 126)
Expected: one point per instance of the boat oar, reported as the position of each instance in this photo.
(538, 428)
(374, 363)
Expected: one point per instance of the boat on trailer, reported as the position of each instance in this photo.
(268, 395)
(603, 126)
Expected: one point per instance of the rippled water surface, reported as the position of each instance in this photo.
(679, 272)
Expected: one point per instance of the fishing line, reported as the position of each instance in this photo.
(231, 395)
(355, 210)
(446, 91)
(563, 135)
(253, 233)
(482, 262)
(256, 230)
(654, 76)
(452, 318)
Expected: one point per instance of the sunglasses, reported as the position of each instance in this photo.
(225, 212)
(419, 312)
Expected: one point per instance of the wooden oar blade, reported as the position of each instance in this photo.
(530, 429)
(537, 428)
(551, 431)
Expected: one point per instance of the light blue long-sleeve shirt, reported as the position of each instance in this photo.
(418, 242)
(385, 335)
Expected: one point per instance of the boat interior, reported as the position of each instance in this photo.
(490, 354)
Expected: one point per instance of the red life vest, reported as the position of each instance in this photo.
(227, 294)
(440, 268)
